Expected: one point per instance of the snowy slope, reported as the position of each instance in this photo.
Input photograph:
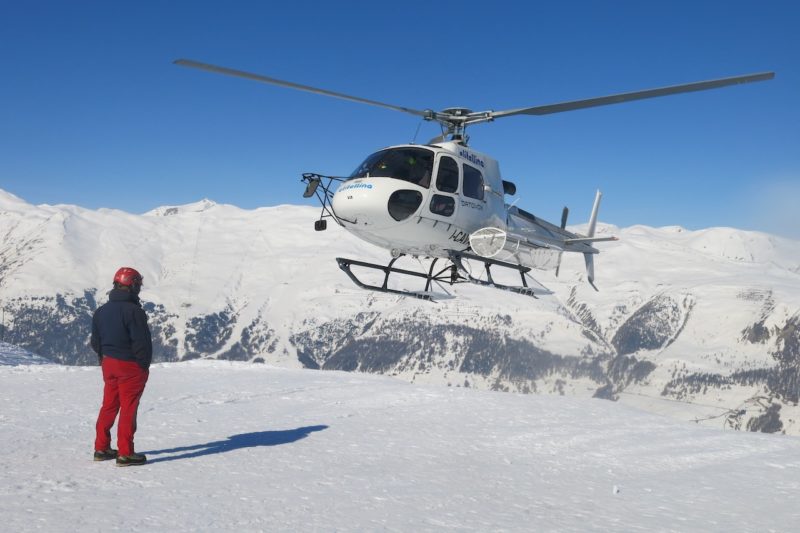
(243, 447)
(697, 324)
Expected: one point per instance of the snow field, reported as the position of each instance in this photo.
(244, 447)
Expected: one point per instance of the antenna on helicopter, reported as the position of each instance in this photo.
(455, 120)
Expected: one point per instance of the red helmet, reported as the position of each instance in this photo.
(128, 276)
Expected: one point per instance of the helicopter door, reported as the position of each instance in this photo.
(473, 210)
(443, 201)
(473, 183)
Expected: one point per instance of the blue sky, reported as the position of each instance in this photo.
(94, 112)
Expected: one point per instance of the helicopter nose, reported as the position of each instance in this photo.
(376, 203)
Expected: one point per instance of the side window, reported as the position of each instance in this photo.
(473, 182)
(442, 205)
(447, 176)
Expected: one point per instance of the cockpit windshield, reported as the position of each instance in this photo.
(414, 165)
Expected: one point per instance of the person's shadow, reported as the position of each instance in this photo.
(235, 442)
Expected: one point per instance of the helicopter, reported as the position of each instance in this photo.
(445, 201)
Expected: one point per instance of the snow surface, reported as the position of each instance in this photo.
(248, 447)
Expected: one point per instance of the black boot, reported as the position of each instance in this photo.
(131, 460)
(105, 455)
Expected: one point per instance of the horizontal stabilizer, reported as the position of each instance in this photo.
(590, 239)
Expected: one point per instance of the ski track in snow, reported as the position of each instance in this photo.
(243, 447)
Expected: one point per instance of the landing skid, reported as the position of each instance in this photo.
(453, 272)
(458, 257)
(449, 274)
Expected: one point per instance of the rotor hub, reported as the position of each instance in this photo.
(457, 111)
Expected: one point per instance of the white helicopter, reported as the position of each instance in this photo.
(443, 200)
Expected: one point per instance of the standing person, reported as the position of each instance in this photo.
(121, 339)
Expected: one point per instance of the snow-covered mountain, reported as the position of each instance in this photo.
(701, 325)
(244, 447)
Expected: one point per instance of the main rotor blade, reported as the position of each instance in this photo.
(637, 95)
(307, 88)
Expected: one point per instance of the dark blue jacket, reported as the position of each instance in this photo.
(119, 329)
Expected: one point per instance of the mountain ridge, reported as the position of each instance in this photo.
(705, 317)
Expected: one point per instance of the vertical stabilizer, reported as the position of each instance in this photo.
(587, 257)
(589, 260)
(593, 217)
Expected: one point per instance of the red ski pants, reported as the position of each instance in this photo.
(124, 385)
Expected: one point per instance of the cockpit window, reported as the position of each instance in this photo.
(414, 165)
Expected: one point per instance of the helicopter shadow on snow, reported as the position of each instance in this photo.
(235, 442)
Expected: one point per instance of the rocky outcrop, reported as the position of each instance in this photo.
(653, 326)
(56, 326)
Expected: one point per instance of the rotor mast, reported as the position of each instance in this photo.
(456, 120)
